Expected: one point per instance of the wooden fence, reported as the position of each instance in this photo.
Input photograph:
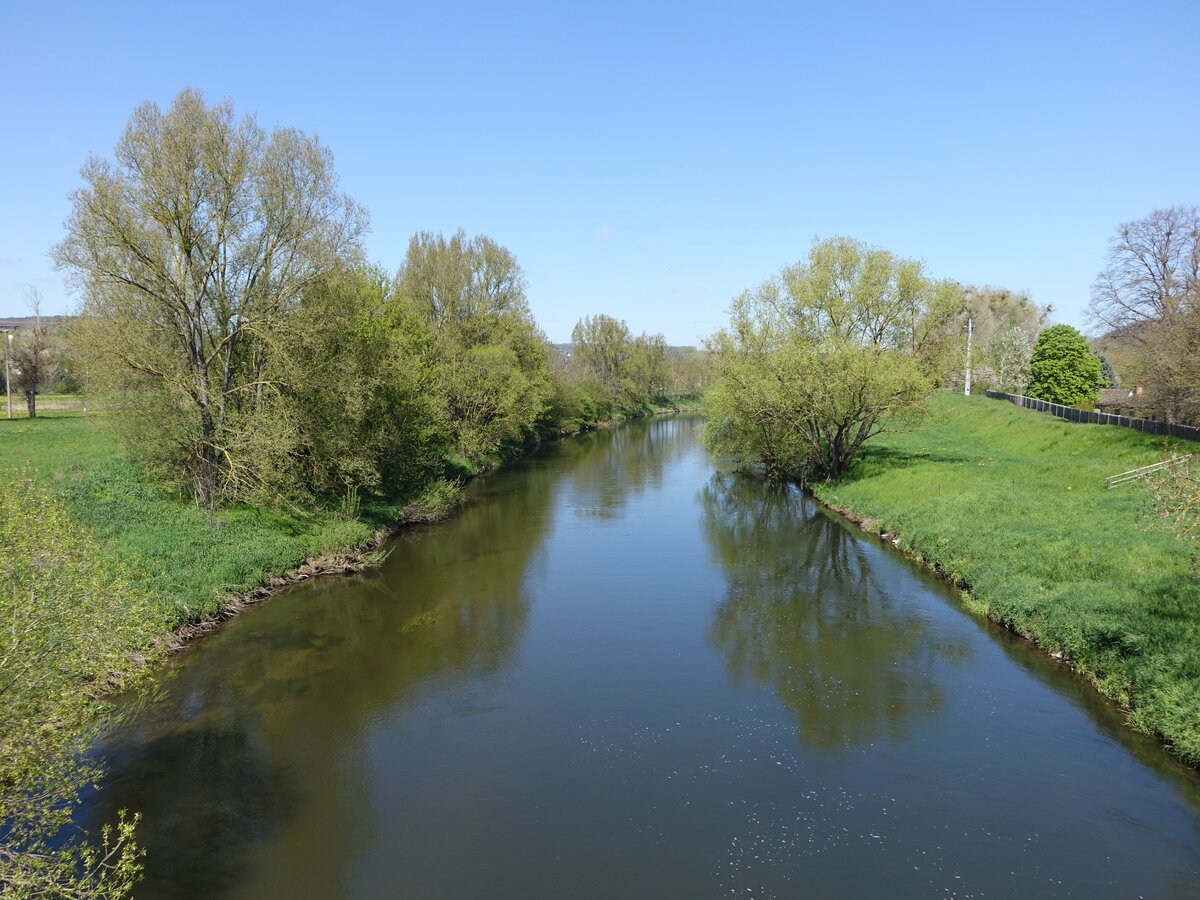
(1095, 417)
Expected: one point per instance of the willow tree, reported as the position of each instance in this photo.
(633, 370)
(192, 247)
(601, 347)
(830, 352)
(493, 362)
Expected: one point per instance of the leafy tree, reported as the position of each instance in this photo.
(578, 401)
(690, 369)
(1064, 369)
(193, 248)
(998, 316)
(835, 349)
(461, 282)
(646, 375)
(633, 370)
(493, 362)
(996, 310)
(602, 346)
(73, 626)
(360, 389)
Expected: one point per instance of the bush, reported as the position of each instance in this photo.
(74, 628)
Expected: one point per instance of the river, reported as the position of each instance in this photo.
(620, 671)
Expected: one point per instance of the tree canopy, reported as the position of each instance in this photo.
(192, 247)
(1064, 369)
(493, 363)
(1147, 299)
(828, 353)
(1005, 325)
(634, 371)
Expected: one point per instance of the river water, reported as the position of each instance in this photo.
(619, 671)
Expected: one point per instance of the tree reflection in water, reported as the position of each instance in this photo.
(808, 612)
(614, 467)
(277, 711)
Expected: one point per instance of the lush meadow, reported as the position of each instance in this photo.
(188, 563)
(1013, 505)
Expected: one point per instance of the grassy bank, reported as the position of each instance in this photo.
(1013, 504)
(188, 565)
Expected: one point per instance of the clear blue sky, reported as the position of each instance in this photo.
(644, 160)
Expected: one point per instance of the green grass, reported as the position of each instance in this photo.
(188, 563)
(1013, 504)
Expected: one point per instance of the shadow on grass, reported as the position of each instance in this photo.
(873, 461)
(1175, 595)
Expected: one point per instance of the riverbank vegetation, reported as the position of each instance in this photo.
(260, 359)
(269, 396)
(826, 375)
(74, 625)
(1013, 505)
(831, 352)
(187, 561)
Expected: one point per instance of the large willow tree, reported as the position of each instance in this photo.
(825, 355)
(193, 247)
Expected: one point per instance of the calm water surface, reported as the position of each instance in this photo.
(621, 672)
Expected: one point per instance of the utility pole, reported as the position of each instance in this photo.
(8, 371)
(967, 384)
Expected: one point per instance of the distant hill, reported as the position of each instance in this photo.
(568, 349)
(11, 322)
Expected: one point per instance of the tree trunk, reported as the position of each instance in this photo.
(31, 403)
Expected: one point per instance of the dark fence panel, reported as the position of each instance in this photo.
(1095, 417)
